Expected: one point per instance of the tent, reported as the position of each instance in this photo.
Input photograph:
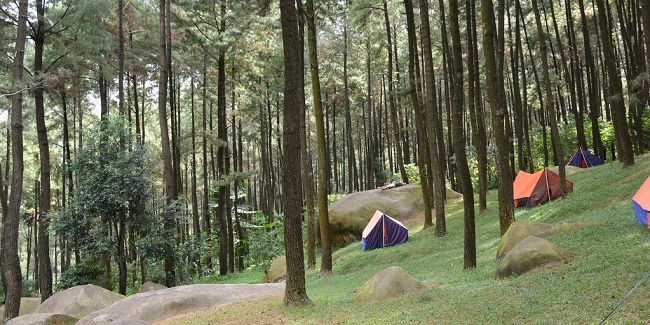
(584, 159)
(383, 231)
(641, 203)
(532, 189)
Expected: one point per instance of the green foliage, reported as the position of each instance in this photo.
(86, 272)
(413, 173)
(331, 198)
(265, 240)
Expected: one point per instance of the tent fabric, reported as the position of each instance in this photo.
(584, 159)
(543, 186)
(383, 231)
(641, 204)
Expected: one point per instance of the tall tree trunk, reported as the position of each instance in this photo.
(168, 173)
(353, 179)
(430, 110)
(204, 137)
(323, 218)
(222, 135)
(391, 98)
(196, 222)
(44, 265)
(295, 293)
(550, 110)
(460, 156)
(415, 85)
(497, 107)
(475, 103)
(615, 91)
(306, 169)
(12, 273)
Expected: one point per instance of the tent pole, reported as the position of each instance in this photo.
(585, 158)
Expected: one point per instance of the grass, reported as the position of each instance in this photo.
(602, 261)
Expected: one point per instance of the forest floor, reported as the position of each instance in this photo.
(602, 262)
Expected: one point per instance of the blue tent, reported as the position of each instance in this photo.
(641, 204)
(584, 159)
(383, 231)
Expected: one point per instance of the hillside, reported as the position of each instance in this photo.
(601, 263)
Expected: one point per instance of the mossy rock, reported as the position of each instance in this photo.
(350, 215)
(386, 284)
(519, 230)
(79, 301)
(277, 272)
(529, 254)
(43, 319)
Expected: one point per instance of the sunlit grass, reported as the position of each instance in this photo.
(601, 262)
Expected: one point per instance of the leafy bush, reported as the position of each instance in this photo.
(413, 173)
(265, 240)
(87, 272)
(29, 288)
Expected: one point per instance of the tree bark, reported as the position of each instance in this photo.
(43, 243)
(497, 107)
(550, 110)
(12, 272)
(168, 173)
(615, 91)
(430, 110)
(295, 292)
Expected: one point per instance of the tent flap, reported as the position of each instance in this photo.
(383, 231)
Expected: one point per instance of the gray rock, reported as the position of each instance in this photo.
(149, 307)
(387, 284)
(529, 254)
(79, 301)
(43, 319)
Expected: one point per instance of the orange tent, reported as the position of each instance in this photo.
(530, 190)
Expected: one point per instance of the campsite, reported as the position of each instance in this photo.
(324, 162)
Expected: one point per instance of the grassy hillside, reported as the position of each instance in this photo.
(601, 263)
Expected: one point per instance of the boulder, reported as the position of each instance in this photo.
(278, 270)
(524, 228)
(79, 301)
(43, 319)
(153, 306)
(27, 306)
(151, 286)
(386, 284)
(530, 253)
(349, 215)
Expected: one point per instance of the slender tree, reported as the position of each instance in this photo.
(168, 173)
(323, 218)
(498, 110)
(615, 90)
(550, 110)
(11, 261)
(430, 110)
(460, 156)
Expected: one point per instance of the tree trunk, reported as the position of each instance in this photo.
(12, 271)
(464, 177)
(222, 135)
(555, 133)
(430, 110)
(44, 265)
(415, 85)
(323, 218)
(168, 173)
(295, 292)
(615, 91)
(497, 107)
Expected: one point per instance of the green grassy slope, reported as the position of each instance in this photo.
(601, 263)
